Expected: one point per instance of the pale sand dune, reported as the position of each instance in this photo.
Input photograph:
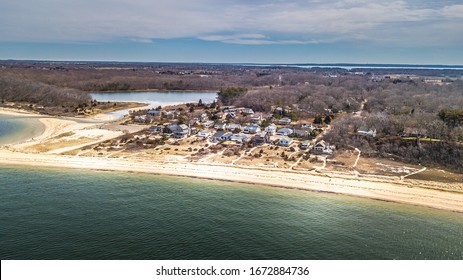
(373, 187)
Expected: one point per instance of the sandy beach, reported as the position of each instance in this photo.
(373, 187)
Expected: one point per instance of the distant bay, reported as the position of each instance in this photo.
(153, 98)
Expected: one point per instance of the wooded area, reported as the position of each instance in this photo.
(415, 120)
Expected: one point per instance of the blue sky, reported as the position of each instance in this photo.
(236, 31)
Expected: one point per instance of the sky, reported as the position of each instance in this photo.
(234, 31)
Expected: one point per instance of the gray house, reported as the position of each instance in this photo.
(262, 138)
(179, 131)
(284, 121)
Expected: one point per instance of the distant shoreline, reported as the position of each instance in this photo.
(348, 64)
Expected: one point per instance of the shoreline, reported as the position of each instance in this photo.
(388, 191)
(383, 188)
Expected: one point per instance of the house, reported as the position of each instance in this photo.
(233, 126)
(284, 121)
(208, 124)
(156, 129)
(179, 131)
(309, 126)
(227, 108)
(170, 114)
(239, 138)
(367, 132)
(302, 132)
(323, 147)
(154, 113)
(414, 132)
(272, 129)
(230, 115)
(203, 134)
(226, 136)
(218, 116)
(251, 129)
(304, 145)
(218, 136)
(256, 119)
(202, 117)
(140, 119)
(285, 131)
(262, 138)
(220, 126)
(247, 111)
(285, 141)
(279, 110)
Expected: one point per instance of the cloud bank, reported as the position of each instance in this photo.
(398, 22)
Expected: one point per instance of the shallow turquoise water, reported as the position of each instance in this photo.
(15, 129)
(74, 214)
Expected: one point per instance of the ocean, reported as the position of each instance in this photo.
(51, 213)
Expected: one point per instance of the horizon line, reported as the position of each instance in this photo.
(234, 63)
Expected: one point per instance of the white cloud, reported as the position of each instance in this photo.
(239, 22)
(453, 11)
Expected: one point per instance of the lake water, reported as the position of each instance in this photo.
(14, 129)
(154, 99)
(74, 214)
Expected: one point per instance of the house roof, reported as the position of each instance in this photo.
(285, 129)
(321, 143)
(218, 134)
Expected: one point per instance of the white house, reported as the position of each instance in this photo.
(304, 145)
(285, 141)
(256, 118)
(247, 111)
(251, 129)
(233, 126)
(285, 131)
(323, 148)
(309, 126)
(239, 138)
(272, 129)
(203, 134)
(140, 119)
(220, 126)
(208, 124)
(179, 131)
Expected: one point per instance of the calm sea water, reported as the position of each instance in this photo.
(74, 214)
(15, 129)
